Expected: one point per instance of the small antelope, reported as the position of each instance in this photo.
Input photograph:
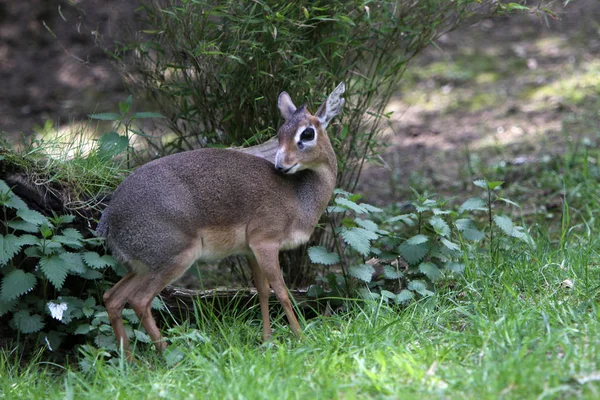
(212, 203)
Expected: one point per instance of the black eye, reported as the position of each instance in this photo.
(307, 135)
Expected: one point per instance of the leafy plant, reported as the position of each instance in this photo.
(401, 257)
(50, 278)
(112, 143)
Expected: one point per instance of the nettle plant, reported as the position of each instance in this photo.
(113, 143)
(51, 279)
(400, 258)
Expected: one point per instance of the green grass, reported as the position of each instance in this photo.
(510, 331)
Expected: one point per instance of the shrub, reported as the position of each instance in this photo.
(215, 68)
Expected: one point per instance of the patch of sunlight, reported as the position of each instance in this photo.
(446, 70)
(430, 102)
(65, 142)
(549, 46)
(573, 89)
(487, 77)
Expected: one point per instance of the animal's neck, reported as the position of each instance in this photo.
(316, 187)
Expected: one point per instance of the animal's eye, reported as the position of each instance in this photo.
(307, 135)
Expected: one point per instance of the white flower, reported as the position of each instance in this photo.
(57, 310)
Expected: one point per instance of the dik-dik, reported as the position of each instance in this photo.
(212, 203)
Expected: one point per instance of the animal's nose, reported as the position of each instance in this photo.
(279, 167)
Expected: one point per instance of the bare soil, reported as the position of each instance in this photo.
(496, 93)
(52, 66)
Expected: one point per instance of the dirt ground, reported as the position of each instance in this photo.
(494, 94)
(497, 92)
(50, 67)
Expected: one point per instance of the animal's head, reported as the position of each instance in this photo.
(303, 141)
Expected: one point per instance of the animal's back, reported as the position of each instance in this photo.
(162, 208)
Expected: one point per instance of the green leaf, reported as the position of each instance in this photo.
(364, 272)
(107, 342)
(368, 295)
(350, 205)
(27, 323)
(9, 246)
(89, 302)
(504, 223)
(15, 202)
(450, 245)
(386, 295)
(33, 217)
(130, 316)
(91, 275)
(469, 230)
(367, 224)
(430, 270)
(519, 233)
(105, 116)
(158, 304)
(336, 209)
(7, 306)
(4, 188)
(72, 233)
(407, 219)
(342, 193)
(24, 226)
(417, 239)
(124, 106)
(370, 208)
(73, 262)
(389, 272)
(173, 355)
(110, 144)
(419, 287)
(404, 296)
(457, 268)
(508, 201)
(94, 260)
(494, 184)
(16, 283)
(55, 270)
(146, 114)
(64, 219)
(33, 252)
(83, 329)
(50, 247)
(359, 239)
(440, 226)
(141, 336)
(320, 255)
(28, 240)
(473, 204)
(413, 253)
(71, 242)
(516, 6)
(481, 183)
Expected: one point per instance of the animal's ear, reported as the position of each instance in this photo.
(332, 106)
(286, 106)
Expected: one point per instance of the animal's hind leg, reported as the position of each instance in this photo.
(114, 301)
(141, 298)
